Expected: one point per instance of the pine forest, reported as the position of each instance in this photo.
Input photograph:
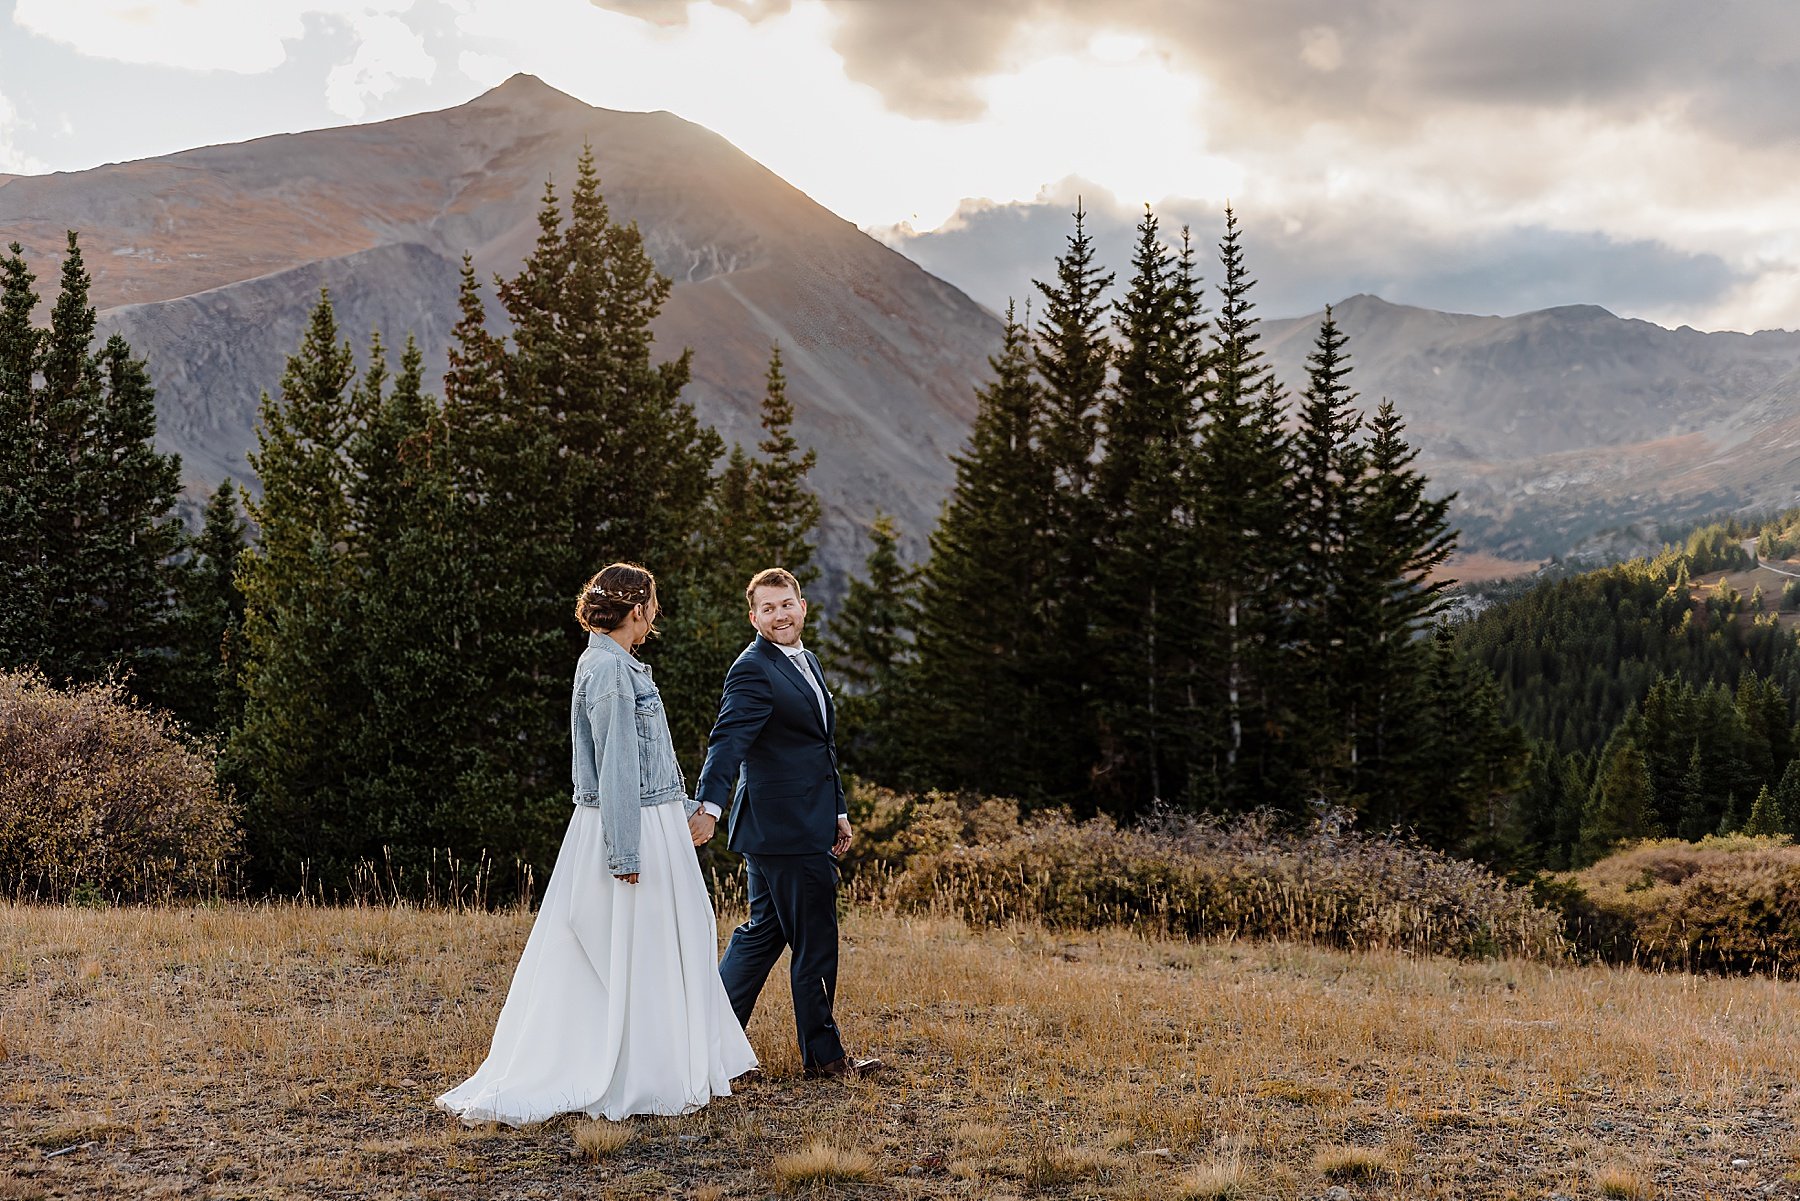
(1164, 581)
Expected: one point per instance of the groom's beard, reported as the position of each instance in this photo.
(784, 637)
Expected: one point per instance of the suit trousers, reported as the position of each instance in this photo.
(793, 904)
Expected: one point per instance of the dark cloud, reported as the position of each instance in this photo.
(1288, 64)
(925, 56)
(994, 251)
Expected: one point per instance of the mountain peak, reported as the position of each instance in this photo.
(527, 89)
(1577, 312)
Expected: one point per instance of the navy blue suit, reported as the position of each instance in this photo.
(771, 763)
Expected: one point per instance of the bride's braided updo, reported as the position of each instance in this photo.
(607, 599)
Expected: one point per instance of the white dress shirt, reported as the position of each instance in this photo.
(797, 656)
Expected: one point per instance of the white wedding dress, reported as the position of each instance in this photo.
(616, 1007)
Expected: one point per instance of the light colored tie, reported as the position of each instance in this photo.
(800, 660)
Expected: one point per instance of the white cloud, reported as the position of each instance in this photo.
(199, 35)
(14, 161)
(388, 51)
(246, 37)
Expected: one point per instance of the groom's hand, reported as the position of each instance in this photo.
(843, 837)
(701, 827)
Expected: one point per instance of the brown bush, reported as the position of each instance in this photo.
(1719, 905)
(103, 800)
(1244, 877)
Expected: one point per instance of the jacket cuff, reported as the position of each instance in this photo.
(623, 867)
(711, 810)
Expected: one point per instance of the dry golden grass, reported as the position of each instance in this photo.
(1625, 1183)
(599, 1138)
(1341, 1162)
(822, 1162)
(1223, 1181)
(277, 1052)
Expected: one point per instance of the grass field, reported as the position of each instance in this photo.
(277, 1052)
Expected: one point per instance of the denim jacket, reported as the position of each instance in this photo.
(624, 757)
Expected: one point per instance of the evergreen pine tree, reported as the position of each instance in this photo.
(981, 681)
(1240, 508)
(1692, 803)
(23, 632)
(790, 511)
(1787, 799)
(1764, 819)
(1396, 538)
(298, 582)
(67, 399)
(203, 688)
(570, 448)
(1730, 820)
(866, 651)
(88, 527)
(1070, 353)
(1620, 806)
(128, 531)
(1145, 576)
(1328, 466)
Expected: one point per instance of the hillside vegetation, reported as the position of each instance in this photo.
(1658, 705)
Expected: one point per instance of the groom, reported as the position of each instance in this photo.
(777, 724)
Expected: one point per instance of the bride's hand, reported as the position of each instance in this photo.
(629, 877)
(701, 827)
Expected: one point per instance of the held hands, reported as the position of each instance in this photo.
(701, 826)
(627, 877)
(842, 843)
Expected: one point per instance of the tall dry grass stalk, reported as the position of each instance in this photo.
(289, 1051)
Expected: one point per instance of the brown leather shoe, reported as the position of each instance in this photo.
(848, 1068)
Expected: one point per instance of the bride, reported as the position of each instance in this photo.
(616, 1007)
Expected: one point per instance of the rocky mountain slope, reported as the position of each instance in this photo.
(1554, 424)
(209, 260)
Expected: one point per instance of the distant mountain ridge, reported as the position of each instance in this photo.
(1554, 424)
(208, 261)
(1550, 425)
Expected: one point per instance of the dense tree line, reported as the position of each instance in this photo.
(102, 581)
(1159, 579)
(1655, 708)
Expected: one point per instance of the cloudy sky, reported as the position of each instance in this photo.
(1493, 158)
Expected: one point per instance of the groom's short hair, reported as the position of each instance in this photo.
(770, 577)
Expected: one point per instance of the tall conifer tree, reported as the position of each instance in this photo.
(1397, 538)
(299, 583)
(790, 510)
(22, 617)
(128, 528)
(202, 681)
(1145, 579)
(1328, 466)
(866, 651)
(1240, 507)
(1071, 354)
(983, 682)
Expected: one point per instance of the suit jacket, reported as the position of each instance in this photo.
(771, 763)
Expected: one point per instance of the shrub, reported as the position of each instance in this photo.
(101, 799)
(1244, 877)
(1724, 904)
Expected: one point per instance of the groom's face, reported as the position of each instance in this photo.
(779, 614)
